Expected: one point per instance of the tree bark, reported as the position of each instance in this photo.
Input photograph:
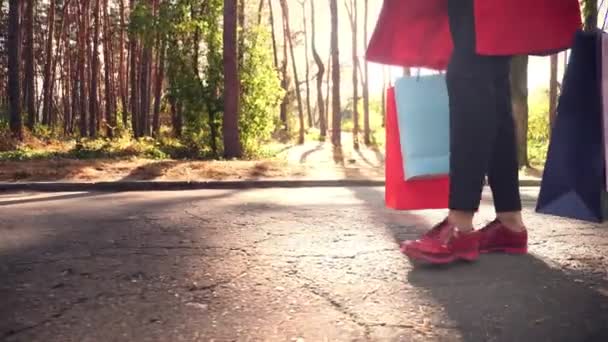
(232, 144)
(260, 11)
(240, 31)
(94, 92)
(29, 95)
(274, 37)
(328, 92)
(553, 90)
(335, 62)
(287, 33)
(383, 96)
(84, 23)
(366, 125)
(283, 69)
(108, 60)
(320, 72)
(159, 88)
(134, 101)
(13, 48)
(306, 59)
(352, 11)
(47, 82)
(519, 89)
(122, 75)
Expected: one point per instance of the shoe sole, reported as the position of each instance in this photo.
(507, 250)
(436, 259)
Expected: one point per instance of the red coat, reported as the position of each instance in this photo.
(416, 33)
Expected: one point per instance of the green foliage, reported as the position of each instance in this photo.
(261, 91)
(538, 126)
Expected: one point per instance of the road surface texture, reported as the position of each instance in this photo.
(281, 265)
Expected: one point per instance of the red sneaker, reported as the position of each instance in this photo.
(442, 245)
(496, 237)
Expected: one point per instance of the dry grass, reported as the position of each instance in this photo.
(144, 169)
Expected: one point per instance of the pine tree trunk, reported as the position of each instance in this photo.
(260, 11)
(159, 88)
(553, 90)
(134, 101)
(240, 31)
(320, 73)
(284, 63)
(122, 75)
(384, 90)
(47, 82)
(328, 118)
(14, 89)
(110, 110)
(307, 70)
(274, 37)
(94, 92)
(366, 125)
(82, 65)
(519, 89)
(352, 9)
(335, 66)
(287, 33)
(28, 51)
(232, 144)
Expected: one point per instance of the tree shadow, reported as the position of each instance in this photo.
(306, 154)
(47, 198)
(113, 267)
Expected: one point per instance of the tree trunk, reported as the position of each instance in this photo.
(84, 23)
(320, 72)
(122, 75)
(240, 31)
(134, 101)
(328, 92)
(67, 73)
(284, 83)
(47, 82)
(159, 88)
(260, 11)
(287, 33)
(519, 89)
(366, 127)
(553, 90)
(13, 46)
(306, 59)
(94, 92)
(110, 108)
(352, 11)
(384, 90)
(335, 66)
(29, 95)
(274, 37)
(232, 144)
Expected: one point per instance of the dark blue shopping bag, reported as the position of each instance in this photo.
(573, 182)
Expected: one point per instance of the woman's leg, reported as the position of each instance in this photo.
(475, 90)
(503, 174)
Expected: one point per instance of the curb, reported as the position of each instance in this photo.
(123, 186)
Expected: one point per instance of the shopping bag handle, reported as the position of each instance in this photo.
(419, 71)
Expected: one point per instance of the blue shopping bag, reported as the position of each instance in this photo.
(424, 126)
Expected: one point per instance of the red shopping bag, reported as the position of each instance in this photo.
(431, 193)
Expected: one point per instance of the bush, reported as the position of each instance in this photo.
(538, 127)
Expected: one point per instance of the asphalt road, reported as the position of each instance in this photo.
(316, 264)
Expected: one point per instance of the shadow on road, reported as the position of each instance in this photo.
(500, 297)
(91, 267)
